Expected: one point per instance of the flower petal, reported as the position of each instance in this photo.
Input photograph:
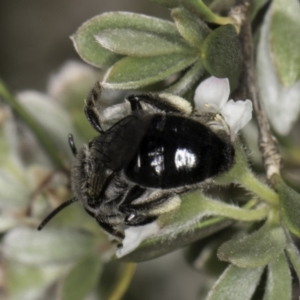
(237, 115)
(134, 236)
(212, 94)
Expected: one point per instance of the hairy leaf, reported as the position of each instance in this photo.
(283, 103)
(285, 40)
(33, 247)
(136, 72)
(184, 83)
(256, 249)
(133, 42)
(30, 281)
(92, 52)
(191, 28)
(42, 109)
(177, 229)
(294, 256)
(81, 278)
(279, 282)
(236, 284)
(289, 205)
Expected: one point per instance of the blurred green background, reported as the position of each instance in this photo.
(35, 34)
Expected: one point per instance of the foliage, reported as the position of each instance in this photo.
(147, 53)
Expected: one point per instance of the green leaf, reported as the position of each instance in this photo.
(178, 229)
(35, 127)
(52, 118)
(136, 72)
(289, 205)
(294, 256)
(89, 49)
(256, 249)
(239, 168)
(191, 28)
(7, 222)
(92, 52)
(236, 284)
(285, 40)
(221, 53)
(185, 82)
(81, 279)
(28, 281)
(168, 3)
(48, 246)
(133, 42)
(22, 278)
(279, 282)
(202, 255)
(15, 193)
(283, 103)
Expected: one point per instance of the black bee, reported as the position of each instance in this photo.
(131, 172)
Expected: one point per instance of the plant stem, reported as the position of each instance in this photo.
(248, 89)
(123, 282)
(233, 212)
(36, 128)
(206, 14)
(251, 183)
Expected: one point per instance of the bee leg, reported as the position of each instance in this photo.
(111, 230)
(90, 108)
(147, 211)
(133, 220)
(134, 103)
(167, 103)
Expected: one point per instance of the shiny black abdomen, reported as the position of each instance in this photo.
(177, 151)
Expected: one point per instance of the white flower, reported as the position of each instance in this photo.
(134, 236)
(211, 96)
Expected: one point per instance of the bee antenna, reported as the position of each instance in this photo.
(55, 212)
(72, 144)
